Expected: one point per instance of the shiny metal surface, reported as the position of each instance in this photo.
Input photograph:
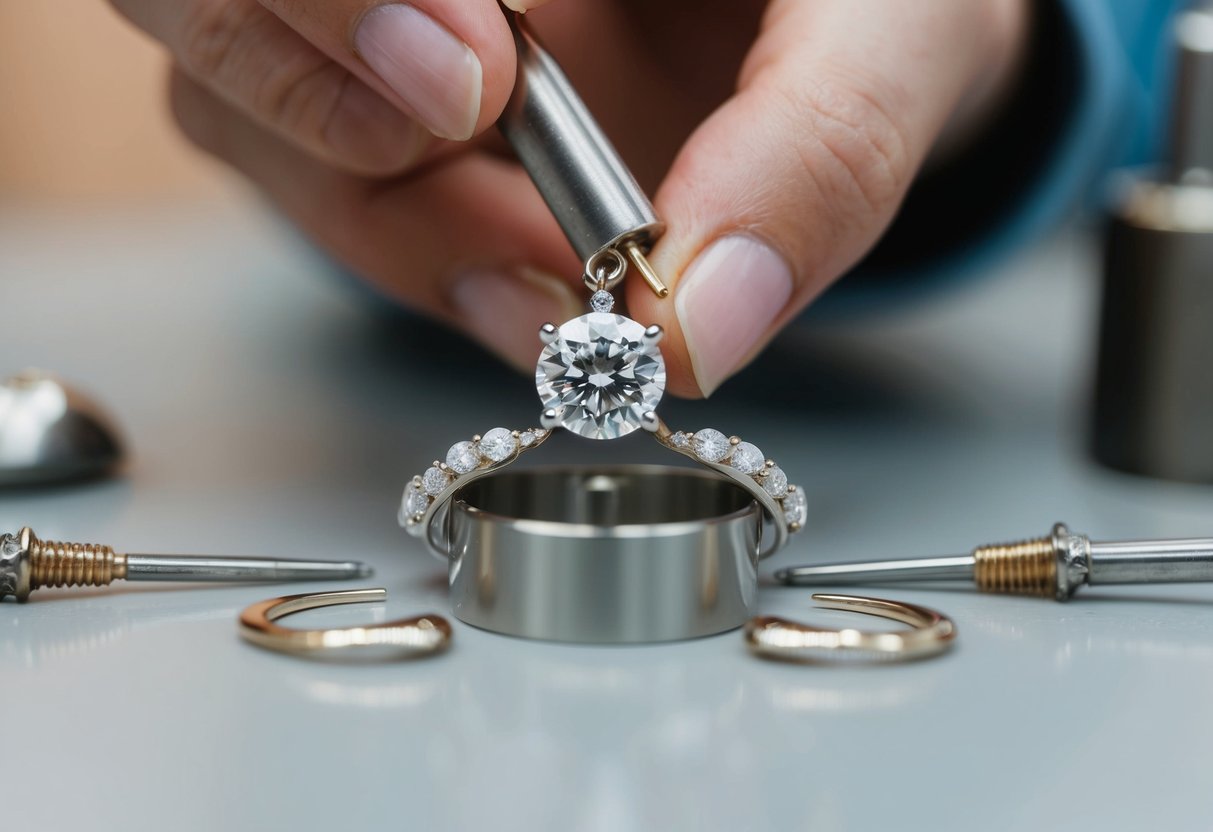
(1154, 387)
(774, 637)
(300, 419)
(219, 569)
(600, 555)
(589, 189)
(406, 638)
(1192, 112)
(959, 568)
(51, 432)
(1151, 561)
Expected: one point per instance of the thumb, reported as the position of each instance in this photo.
(797, 175)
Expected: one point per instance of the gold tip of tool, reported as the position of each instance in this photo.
(637, 259)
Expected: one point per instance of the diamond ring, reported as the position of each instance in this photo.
(601, 376)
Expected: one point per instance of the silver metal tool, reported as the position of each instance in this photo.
(51, 432)
(592, 194)
(1154, 390)
(1054, 566)
(27, 563)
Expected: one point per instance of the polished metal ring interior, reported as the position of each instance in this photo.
(422, 635)
(626, 554)
(773, 637)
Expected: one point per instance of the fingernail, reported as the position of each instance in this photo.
(727, 301)
(436, 73)
(504, 310)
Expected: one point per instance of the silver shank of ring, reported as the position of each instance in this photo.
(627, 554)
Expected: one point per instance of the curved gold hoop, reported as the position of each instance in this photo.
(422, 635)
(773, 637)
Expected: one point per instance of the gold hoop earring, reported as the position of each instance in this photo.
(422, 635)
(773, 637)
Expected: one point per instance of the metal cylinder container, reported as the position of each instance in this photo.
(1154, 388)
(628, 554)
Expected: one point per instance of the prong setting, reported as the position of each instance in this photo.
(549, 332)
(653, 335)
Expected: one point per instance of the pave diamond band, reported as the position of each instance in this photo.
(601, 375)
(426, 498)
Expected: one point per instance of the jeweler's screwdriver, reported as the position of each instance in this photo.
(1053, 566)
(27, 563)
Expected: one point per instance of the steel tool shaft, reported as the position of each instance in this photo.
(577, 170)
(27, 563)
(1054, 566)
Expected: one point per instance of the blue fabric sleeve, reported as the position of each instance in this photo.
(1093, 97)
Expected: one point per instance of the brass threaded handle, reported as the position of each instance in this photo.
(1027, 567)
(55, 563)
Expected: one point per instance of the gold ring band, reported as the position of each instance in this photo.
(773, 637)
(404, 638)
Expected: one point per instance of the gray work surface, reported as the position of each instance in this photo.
(269, 414)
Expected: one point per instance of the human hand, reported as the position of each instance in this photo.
(781, 137)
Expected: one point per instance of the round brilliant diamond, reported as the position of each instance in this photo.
(600, 375)
(711, 445)
(498, 445)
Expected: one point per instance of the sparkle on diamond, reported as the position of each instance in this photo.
(600, 375)
(415, 502)
(711, 445)
(747, 458)
(498, 444)
(434, 480)
(796, 506)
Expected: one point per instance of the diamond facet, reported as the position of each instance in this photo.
(681, 440)
(775, 482)
(415, 502)
(602, 301)
(434, 480)
(747, 458)
(795, 506)
(711, 445)
(498, 445)
(462, 458)
(527, 438)
(600, 375)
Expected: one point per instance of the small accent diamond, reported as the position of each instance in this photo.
(527, 438)
(462, 458)
(415, 502)
(602, 301)
(434, 480)
(540, 433)
(681, 440)
(747, 458)
(711, 445)
(795, 506)
(498, 445)
(775, 482)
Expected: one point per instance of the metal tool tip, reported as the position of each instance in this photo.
(362, 570)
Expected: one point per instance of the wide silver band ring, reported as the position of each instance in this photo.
(424, 507)
(621, 554)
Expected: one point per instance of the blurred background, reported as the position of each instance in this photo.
(83, 93)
